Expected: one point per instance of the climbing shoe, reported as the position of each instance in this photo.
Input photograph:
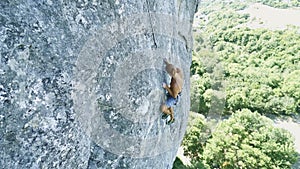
(164, 116)
(171, 121)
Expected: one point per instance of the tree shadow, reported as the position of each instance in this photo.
(297, 165)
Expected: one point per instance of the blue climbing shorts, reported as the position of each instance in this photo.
(171, 101)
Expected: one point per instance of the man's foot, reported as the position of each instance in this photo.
(164, 116)
(171, 121)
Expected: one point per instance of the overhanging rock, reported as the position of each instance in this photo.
(81, 82)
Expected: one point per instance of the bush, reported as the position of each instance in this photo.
(249, 140)
(196, 136)
(280, 3)
(178, 164)
(199, 85)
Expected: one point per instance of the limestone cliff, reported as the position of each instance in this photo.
(81, 82)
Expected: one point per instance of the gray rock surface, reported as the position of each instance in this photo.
(81, 82)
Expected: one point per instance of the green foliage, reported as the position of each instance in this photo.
(197, 134)
(260, 66)
(280, 3)
(198, 165)
(248, 140)
(291, 84)
(199, 86)
(256, 71)
(178, 164)
(261, 71)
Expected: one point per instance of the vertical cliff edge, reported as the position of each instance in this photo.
(81, 82)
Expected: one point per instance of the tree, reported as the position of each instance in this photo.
(196, 136)
(249, 140)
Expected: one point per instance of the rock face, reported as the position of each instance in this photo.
(81, 82)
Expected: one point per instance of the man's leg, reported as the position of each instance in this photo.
(172, 116)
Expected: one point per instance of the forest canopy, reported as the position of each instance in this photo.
(238, 75)
(260, 67)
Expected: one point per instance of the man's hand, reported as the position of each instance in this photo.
(165, 85)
